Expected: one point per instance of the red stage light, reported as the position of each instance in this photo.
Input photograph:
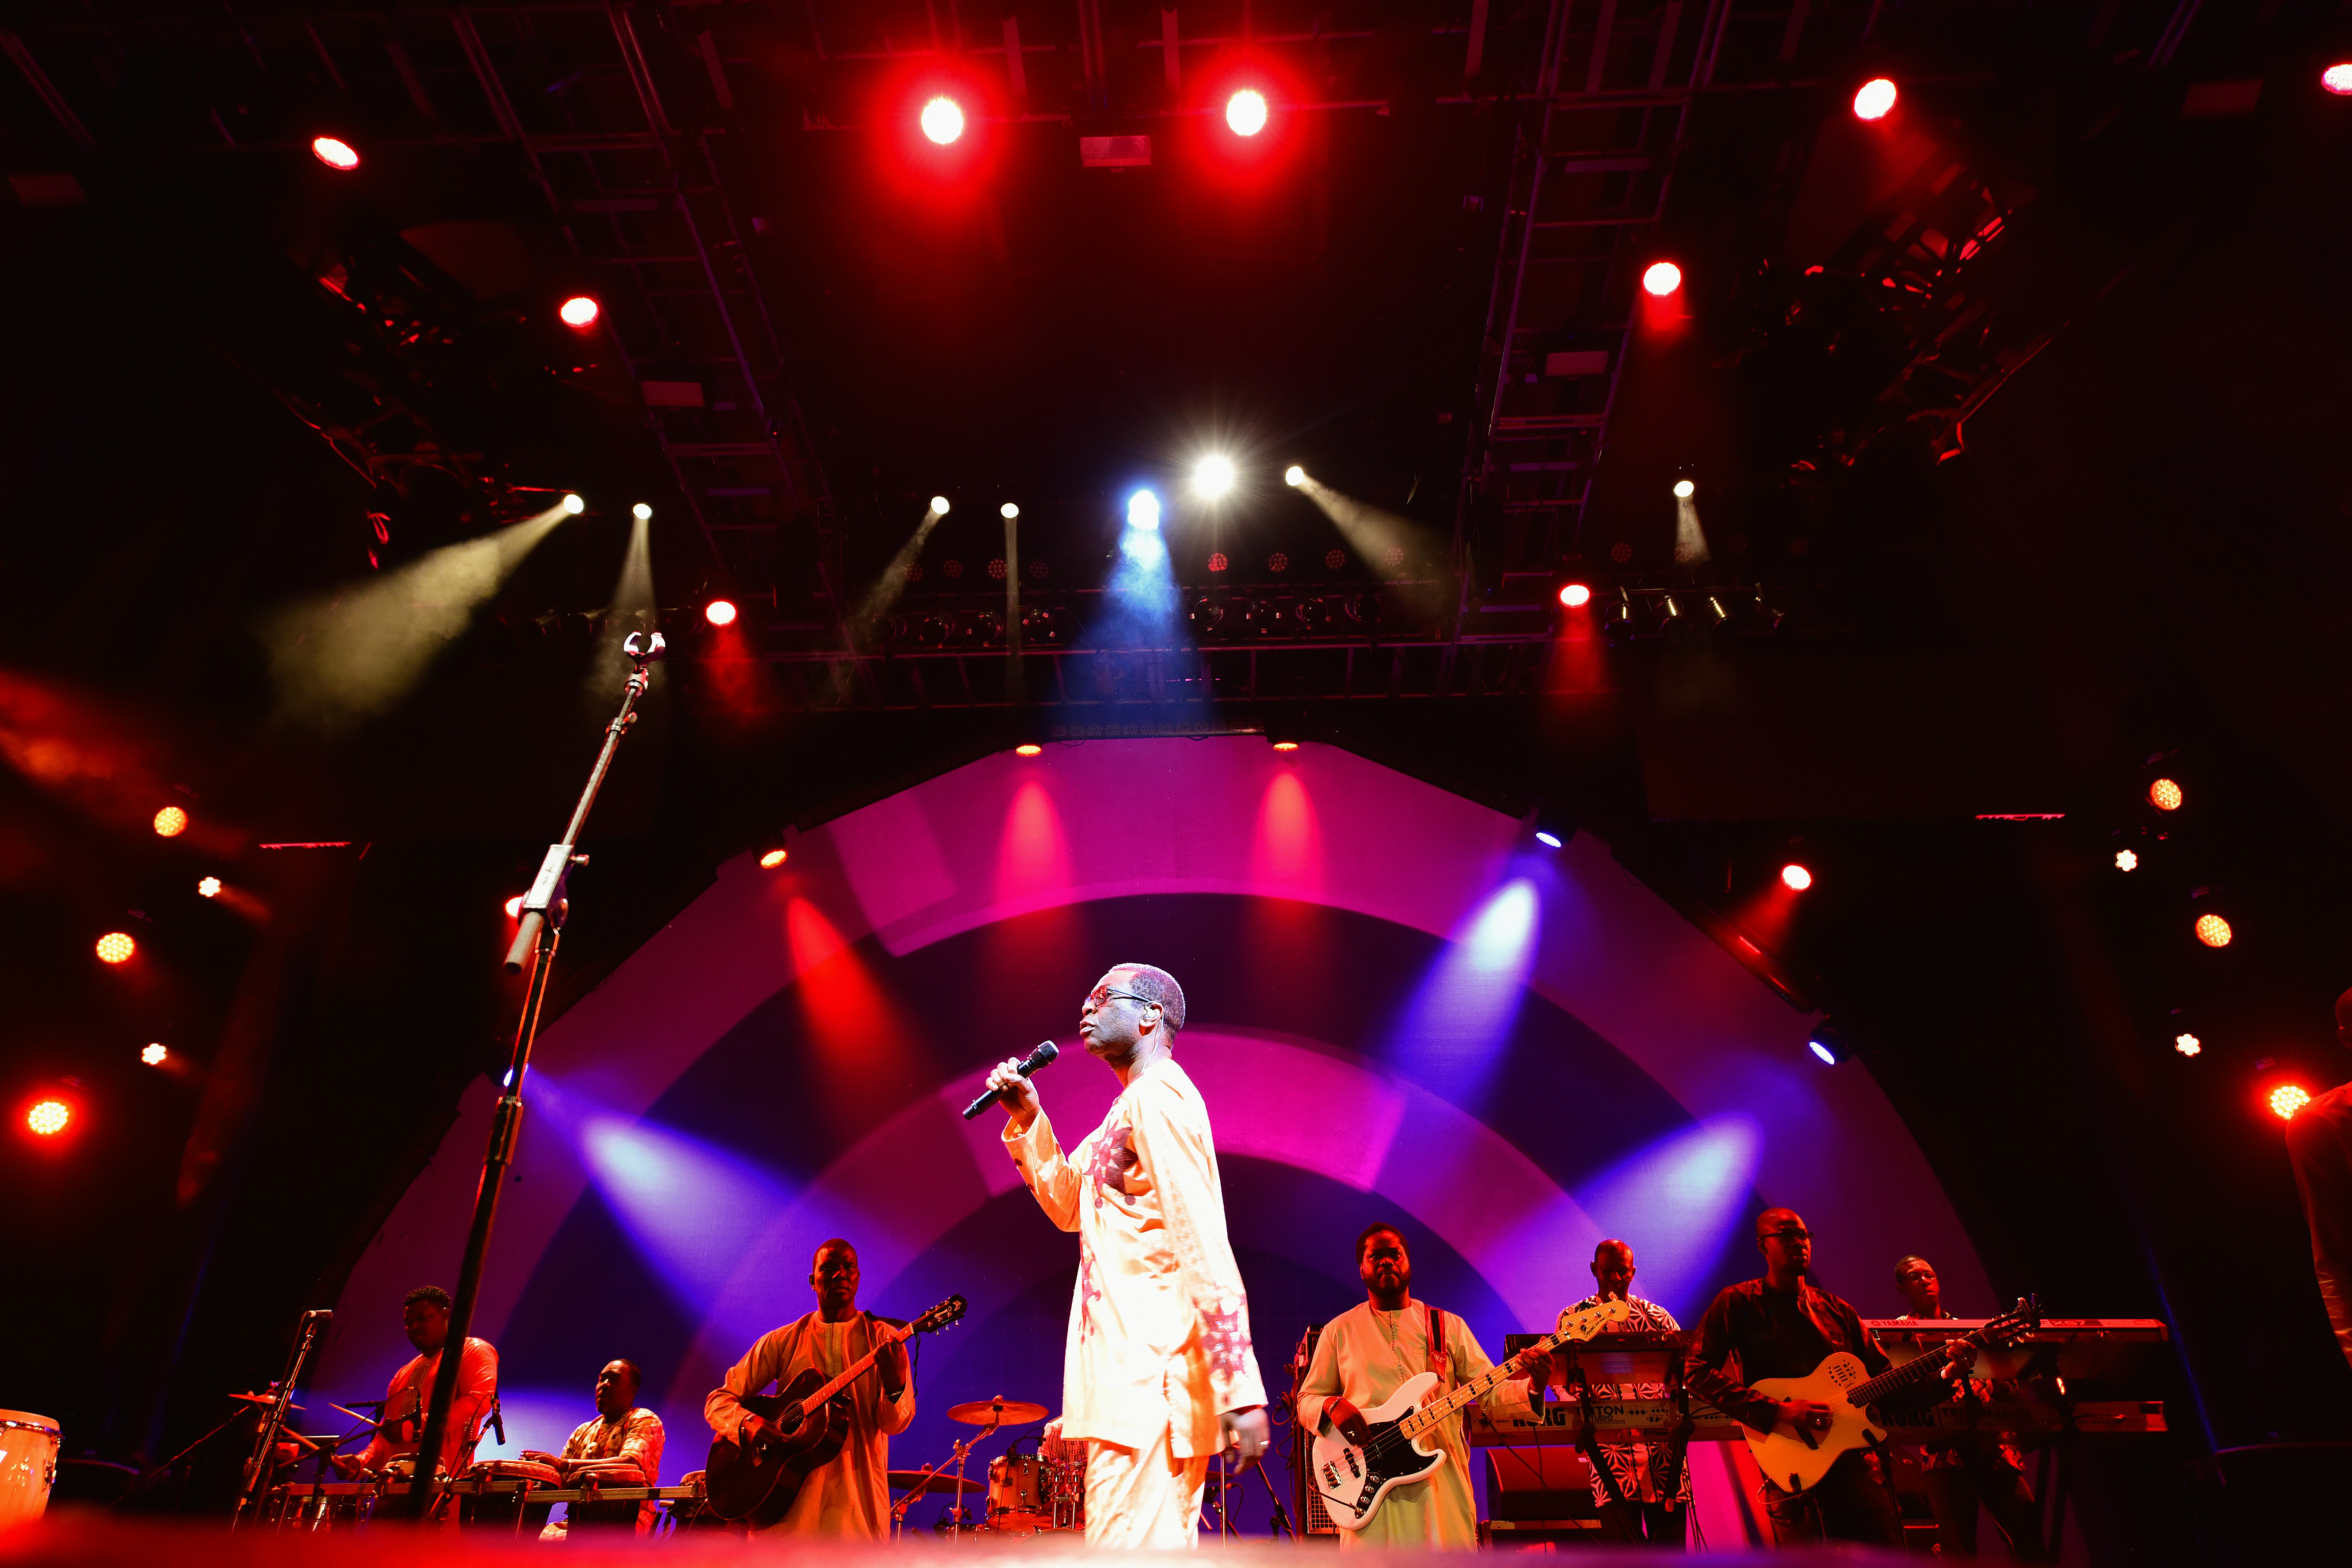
(1661, 279)
(171, 822)
(2126, 860)
(2164, 796)
(2287, 1099)
(1576, 595)
(2213, 931)
(942, 119)
(1245, 113)
(514, 908)
(773, 858)
(208, 888)
(1795, 878)
(47, 1118)
(1286, 746)
(153, 1055)
(720, 611)
(116, 947)
(1028, 749)
(2337, 79)
(334, 152)
(579, 312)
(1876, 99)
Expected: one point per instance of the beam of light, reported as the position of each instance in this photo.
(339, 660)
(1143, 511)
(1245, 113)
(1286, 846)
(858, 1043)
(1213, 475)
(1139, 609)
(1032, 852)
(335, 153)
(1374, 533)
(1874, 99)
(1453, 1032)
(691, 1208)
(1690, 539)
(942, 121)
(1661, 278)
(630, 609)
(1678, 1201)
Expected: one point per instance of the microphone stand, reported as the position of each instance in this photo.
(543, 908)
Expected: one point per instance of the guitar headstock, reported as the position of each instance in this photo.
(2012, 1325)
(948, 1311)
(1593, 1320)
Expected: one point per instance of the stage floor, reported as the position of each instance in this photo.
(97, 1540)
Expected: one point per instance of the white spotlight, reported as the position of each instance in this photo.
(1143, 510)
(1213, 475)
(1685, 489)
(1294, 476)
(939, 506)
(574, 505)
(1009, 511)
(642, 512)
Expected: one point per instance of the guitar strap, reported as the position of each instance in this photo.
(1440, 1359)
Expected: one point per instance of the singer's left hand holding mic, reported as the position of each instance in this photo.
(1015, 1092)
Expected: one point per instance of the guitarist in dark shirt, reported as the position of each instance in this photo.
(1780, 1326)
(848, 1495)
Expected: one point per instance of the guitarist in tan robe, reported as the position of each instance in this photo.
(849, 1495)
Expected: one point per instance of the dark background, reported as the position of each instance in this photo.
(2127, 564)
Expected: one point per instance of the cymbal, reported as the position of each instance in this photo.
(915, 1480)
(1000, 1412)
(260, 1399)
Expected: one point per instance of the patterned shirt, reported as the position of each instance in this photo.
(1638, 1466)
(635, 1436)
(1159, 1335)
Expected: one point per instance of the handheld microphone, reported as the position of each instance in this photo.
(1042, 1056)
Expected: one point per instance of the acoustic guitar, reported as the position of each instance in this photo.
(1844, 1384)
(808, 1422)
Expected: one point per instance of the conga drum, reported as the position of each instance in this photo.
(28, 1465)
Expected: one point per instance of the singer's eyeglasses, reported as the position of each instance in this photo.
(1102, 994)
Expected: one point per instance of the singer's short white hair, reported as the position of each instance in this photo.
(1159, 986)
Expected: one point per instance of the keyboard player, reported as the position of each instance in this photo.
(1640, 1487)
(1974, 1468)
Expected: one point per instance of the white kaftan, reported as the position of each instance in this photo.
(1158, 1339)
(1364, 1356)
(850, 1496)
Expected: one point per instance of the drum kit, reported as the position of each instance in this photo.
(1027, 1494)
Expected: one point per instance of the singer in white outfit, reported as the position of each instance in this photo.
(1157, 1375)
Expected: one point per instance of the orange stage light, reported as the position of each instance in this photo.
(2213, 931)
(116, 947)
(773, 858)
(171, 822)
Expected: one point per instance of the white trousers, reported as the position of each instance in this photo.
(1143, 1497)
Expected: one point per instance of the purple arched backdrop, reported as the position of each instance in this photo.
(1401, 1007)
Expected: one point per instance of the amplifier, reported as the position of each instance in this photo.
(1308, 1504)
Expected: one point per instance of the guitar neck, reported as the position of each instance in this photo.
(1478, 1388)
(851, 1373)
(1894, 1380)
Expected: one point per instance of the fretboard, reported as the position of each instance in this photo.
(1583, 1326)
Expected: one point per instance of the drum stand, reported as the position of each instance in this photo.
(259, 1469)
(963, 1448)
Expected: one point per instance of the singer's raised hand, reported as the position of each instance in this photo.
(1015, 1092)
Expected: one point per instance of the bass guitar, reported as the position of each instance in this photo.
(1844, 1384)
(1398, 1448)
(808, 1422)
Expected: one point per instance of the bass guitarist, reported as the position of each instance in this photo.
(1365, 1355)
(1780, 1326)
(848, 1495)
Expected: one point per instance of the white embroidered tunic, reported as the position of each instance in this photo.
(1159, 1322)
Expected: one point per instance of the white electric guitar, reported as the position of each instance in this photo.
(1841, 1382)
(1400, 1448)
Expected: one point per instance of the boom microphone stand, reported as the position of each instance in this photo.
(542, 922)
